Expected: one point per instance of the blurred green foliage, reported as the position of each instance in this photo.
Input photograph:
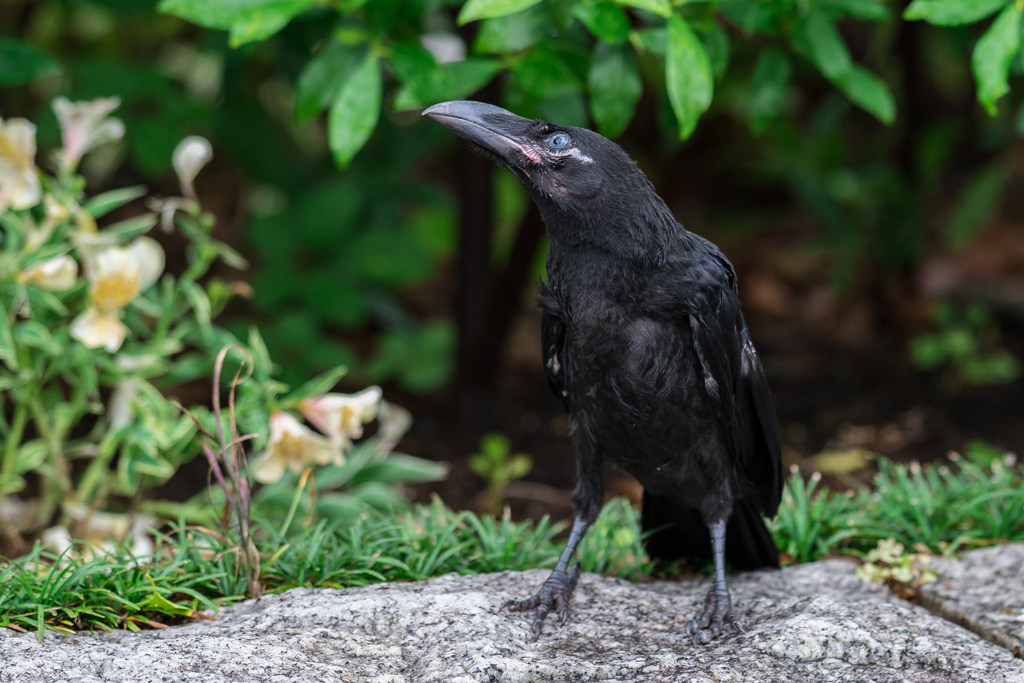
(496, 463)
(97, 344)
(965, 347)
(291, 89)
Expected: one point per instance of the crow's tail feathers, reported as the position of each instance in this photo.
(684, 535)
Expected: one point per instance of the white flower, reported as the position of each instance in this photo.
(19, 182)
(341, 416)
(189, 157)
(122, 273)
(86, 125)
(57, 273)
(96, 328)
(293, 446)
(118, 275)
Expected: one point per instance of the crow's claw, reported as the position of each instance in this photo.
(554, 595)
(717, 615)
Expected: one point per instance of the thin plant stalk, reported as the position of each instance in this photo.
(230, 467)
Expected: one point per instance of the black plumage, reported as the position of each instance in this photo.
(644, 341)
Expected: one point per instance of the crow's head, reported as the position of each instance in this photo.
(561, 163)
(586, 187)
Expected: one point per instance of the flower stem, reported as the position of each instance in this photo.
(14, 438)
(96, 470)
(53, 442)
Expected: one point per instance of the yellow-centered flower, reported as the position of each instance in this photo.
(292, 446)
(19, 181)
(57, 273)
(96, 328)
(341, 416)
(118, 275)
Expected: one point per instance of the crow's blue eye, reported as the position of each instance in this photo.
(558, 140)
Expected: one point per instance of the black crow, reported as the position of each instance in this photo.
(645, 343)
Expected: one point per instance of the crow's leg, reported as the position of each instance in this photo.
(717, 612)
(554, 595)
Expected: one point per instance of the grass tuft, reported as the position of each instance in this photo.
(936, 508)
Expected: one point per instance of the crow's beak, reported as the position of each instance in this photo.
(492, 128)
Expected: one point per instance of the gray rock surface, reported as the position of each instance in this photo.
(810, 623)
(984, 592)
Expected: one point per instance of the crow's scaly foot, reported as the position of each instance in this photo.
(716, 616)
(554, 595)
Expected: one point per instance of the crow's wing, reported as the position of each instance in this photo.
(735, 382)
(552, 341)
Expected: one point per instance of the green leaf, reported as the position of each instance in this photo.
(818, 37)
(768, 86)
(8, 351)
(355, 111)
(755, 17)
(405, 99)
(952, 12)
(651, 40)
(870, 93)
(200, 303)
(603, 19)
(440, 82)
(512, 33)
(993, 54)
(33, 333)
(102, 204)
(490, 9)
(418, 71)
(248, 20)
(258, 27)
(716, 42)
(320, 385)
(21, 63)
(660, 7)
(615, 88)
(977, 202)
(46, 300)
(31, 455)
(263, 366)
(323, 76)
(229, 256)
(472, 74)
(158, 603)
(130, 228)
(545, 75)
(825, 46)
(400, 468)
(688, 75)
(872, 10)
